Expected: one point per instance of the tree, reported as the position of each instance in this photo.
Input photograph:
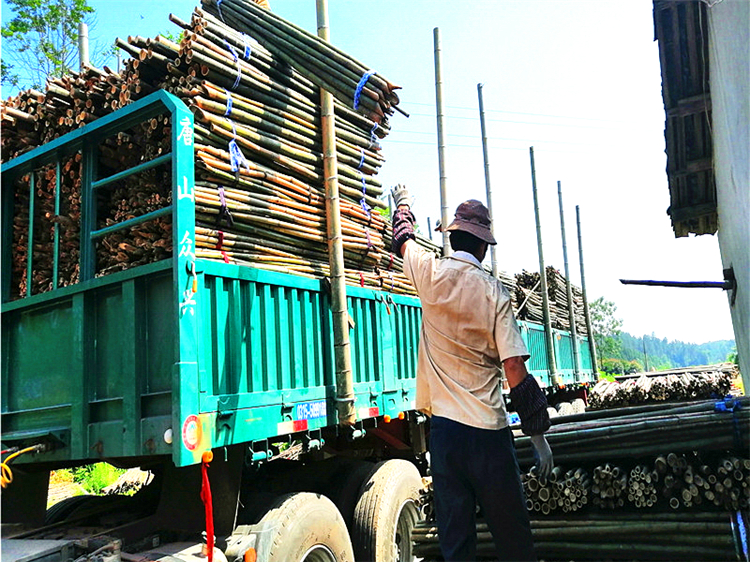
(606, 328)
(42, 40)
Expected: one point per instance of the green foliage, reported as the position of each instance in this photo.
(606, 328)
(42, 41)
(615, 366)
(733, 356)
(620, 352)
(95, 477)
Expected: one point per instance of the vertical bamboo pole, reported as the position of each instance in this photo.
(441, 143)
(592, 343)
(342, 349)
(83, 45)
(543, 280)
(493, 255)
(569, 291)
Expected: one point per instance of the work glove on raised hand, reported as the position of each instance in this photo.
(400, 196)
(403, 219)
(543, 455)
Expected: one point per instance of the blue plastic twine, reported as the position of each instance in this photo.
(236, 158)
(362, 158)
(229, 103)
(743, 533)
(361, 85)
(248, 50)
(218, 7)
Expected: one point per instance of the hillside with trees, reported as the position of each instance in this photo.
(621, 352)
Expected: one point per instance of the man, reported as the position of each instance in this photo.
(468, 332)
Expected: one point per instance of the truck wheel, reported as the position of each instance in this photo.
(345, 485)
(304, 527)
(386, 512)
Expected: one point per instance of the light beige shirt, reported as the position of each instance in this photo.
(468, 330)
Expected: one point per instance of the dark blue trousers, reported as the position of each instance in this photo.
(469, 466)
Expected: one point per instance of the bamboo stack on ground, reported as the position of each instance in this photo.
(669, 536)
(684, 427)
(562, 491)
(645, 389)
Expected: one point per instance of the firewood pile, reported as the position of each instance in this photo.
(685, 386)
(259, 192)
(528, 295)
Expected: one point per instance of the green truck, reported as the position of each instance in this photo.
(211, 376)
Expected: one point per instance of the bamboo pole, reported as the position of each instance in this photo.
(569, 290)
(342, 351)
(543, 279)
(488, 188)
(586, 311)
(441, 142)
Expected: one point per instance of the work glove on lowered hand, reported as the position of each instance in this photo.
(531, 404)
(543, 455)
(403, 219)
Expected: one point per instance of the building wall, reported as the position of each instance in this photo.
(729, 75)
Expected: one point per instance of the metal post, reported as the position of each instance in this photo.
(569, 289)
(83, 45)
(543, 280)
(429, 229)
(493, 255)
(441, 144)
(342, 351)
(592, 343)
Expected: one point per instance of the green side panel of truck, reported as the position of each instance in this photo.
(185, 355)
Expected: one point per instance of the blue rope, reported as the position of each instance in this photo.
(248, 50)
(743, 533)
(363, 201)
(360, 86)
(362, 158)
(229, 103)
(218, 7)
(239, 76)
(236, 158)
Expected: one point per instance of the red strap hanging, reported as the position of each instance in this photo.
(208, 504)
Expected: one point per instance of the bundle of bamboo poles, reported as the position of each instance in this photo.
(687, 386)
(563, 491)
(528, 295)
(657, 536)
(646, 430)
(326, 66)
(259, 189)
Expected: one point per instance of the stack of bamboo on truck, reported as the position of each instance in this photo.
(259, 177)
(528, 295)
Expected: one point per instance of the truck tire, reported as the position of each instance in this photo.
(386, 512)
(345, 485)
(304, 527)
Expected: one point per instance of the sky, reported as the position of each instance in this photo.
(577, 80)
